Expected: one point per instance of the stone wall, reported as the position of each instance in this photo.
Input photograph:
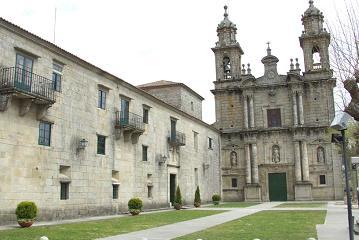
(32, 172)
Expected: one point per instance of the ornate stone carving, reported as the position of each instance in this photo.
(233, 158)
(275, 154)
(5, 101)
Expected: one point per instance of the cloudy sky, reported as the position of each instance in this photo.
(142, 41)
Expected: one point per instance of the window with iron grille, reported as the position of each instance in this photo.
(101, 99)
(322, 180)
(64, 190)
(234, 183)
(274, 117)
(56, 76)
(115, 191)
(144, 152)
(101, 145)
(44, 133)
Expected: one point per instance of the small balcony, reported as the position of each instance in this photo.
(177, 139)
(24, 84)
(130, 124)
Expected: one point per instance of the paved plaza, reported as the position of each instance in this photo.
(335, 226)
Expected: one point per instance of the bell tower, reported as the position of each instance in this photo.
(227, 51)
(314, 41)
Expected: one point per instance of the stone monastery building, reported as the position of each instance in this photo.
(274, 142)
(79, 141)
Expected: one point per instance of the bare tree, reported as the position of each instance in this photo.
(345, 56)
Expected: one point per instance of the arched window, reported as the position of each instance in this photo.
(227, 68)
(316, 58)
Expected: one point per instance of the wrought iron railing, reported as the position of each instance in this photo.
(21, 80)
(177, 138)
(129, 120)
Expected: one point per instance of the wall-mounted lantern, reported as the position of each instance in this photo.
(162, 159)
(83, 143)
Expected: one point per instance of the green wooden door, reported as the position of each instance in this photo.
(277, 186)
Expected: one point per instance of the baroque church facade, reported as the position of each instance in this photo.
(275, 141)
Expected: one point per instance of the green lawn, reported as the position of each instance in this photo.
(302, 205)
(266, 225)
(103, 228)
(233, 205)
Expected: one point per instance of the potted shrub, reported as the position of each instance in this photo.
(26, 213)
(197, 198)
(216, 198)
(178, 199)
(135, 206)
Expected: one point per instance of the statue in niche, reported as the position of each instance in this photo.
(275, 154)
(320, 155)
(233, 157)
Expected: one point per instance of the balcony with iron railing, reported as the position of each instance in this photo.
(131, 124)
(25, 84)
(177, 139)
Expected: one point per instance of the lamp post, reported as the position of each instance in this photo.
(340, 123)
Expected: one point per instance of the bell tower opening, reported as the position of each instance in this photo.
(227, 50)
(227, 68)
(315, 41)
(317, 64)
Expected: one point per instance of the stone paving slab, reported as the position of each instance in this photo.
(335, 226)
(187, 227)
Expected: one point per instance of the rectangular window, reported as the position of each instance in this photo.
(234, 183)
(149, 191)
(144, 152)
(44, 133)
(145, 115)
(115, 191)
(101, 145)
(56, 76)
(195, 140)
(64, 190)
(210, 143)
(322, 180)
(101, 99)
(274, 118)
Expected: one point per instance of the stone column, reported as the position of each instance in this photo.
(298, 164)
(251, 106)
(248, 164)
(295, 114)
(255, 177)
(245, 112)
(301, 114)
(305, 162)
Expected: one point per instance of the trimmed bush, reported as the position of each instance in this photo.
(197, 198)
(135, 206)
(26, 211)
(178, 199)
(216, 198)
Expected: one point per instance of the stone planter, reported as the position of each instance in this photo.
(135, 212)
(25, 223)
(177, 206)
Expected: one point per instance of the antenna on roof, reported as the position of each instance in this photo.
(54, 27)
